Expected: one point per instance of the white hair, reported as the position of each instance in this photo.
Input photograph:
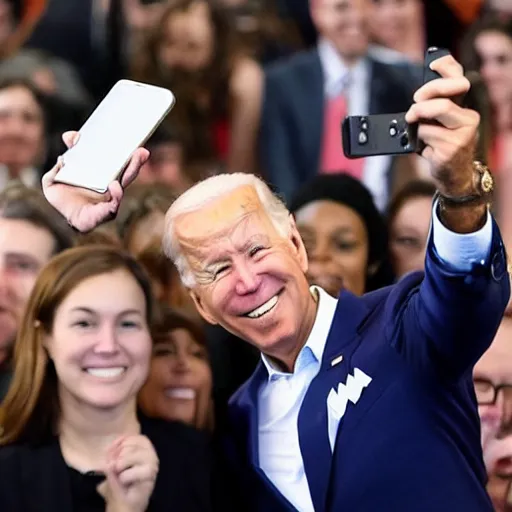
(207, 191)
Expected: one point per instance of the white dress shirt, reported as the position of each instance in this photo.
(281, 395)
(355, 82)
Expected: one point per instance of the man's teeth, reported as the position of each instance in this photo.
(181, 393)
(106, 373)
(264, 308)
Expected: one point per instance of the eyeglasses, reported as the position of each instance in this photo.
(487, 393)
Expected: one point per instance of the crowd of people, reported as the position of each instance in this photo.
(126, 380)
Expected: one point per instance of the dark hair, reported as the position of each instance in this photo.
(166, 133)
(194, 121)
(139, 202)
(19, 202)
(344, 189)
(489, 23)
(31, 408)
(39, 97)
(412, 190)
(169, 319)
(478, 97)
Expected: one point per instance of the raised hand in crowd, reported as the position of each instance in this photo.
(85, 209)
(132, 468)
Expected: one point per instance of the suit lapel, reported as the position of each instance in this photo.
(314, 103)
(313, 418)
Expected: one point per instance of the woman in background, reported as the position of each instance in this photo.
(344, 235)
(71, 435)
(179, 386)
(194, 51)
(409, 217)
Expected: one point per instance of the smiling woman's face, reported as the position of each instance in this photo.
(180, 380)
(100, 343)
(337, 246)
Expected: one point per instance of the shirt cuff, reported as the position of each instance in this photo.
(461, 250)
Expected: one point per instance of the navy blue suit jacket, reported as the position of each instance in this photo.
(412, 441)
(293, 114)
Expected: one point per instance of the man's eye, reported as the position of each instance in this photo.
(220, 270)
(255, 250)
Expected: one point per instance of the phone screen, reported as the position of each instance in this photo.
(120, 124)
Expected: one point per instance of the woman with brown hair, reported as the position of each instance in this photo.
(193, 51)
(179, 386)
(71, 435)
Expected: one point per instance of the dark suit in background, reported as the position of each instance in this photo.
(293, 114)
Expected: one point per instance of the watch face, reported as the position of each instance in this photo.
(487, 182)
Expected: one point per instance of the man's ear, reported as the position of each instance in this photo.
(298, 245)
(202, 308)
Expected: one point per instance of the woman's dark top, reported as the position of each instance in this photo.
(36, 478)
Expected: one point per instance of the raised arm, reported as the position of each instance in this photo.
(458, 307)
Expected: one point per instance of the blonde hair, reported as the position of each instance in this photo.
(207, 191)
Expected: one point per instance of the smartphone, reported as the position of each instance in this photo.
(386, 134)
(122, 122)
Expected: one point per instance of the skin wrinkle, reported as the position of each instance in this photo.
(197, 248)
(236, 231)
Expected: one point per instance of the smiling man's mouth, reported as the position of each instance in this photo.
(264, 308)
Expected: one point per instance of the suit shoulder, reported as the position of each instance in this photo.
(401, 73)
(290, 66)
(395, 295)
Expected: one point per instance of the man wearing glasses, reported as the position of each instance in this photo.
(493, 388)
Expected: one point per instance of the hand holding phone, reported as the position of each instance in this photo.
(86, 185)
(386, 134)
(82, 208)
(121, 123)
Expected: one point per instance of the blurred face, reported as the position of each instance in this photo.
(146, 231)
(164, 166)
(409, 234)
(337, 245)
(188, 39)
(21, 128)
(392, 20)
(180, 381)
(100, 344)
(495, 52)
(6, 21)
(24, 250)
(250, 279)
(344, 24)
(495, 369)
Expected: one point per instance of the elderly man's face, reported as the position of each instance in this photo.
(494, 372)
(249, 278)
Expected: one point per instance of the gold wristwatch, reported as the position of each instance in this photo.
(483, 187)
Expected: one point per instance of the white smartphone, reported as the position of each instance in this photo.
(122, 122)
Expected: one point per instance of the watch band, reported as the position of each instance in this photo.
(483, 186)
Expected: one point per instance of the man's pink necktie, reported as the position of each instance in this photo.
(332, 158)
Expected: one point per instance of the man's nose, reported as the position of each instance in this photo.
(247, 280)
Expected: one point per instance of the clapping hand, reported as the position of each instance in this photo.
(131, 471)
(85, 209)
